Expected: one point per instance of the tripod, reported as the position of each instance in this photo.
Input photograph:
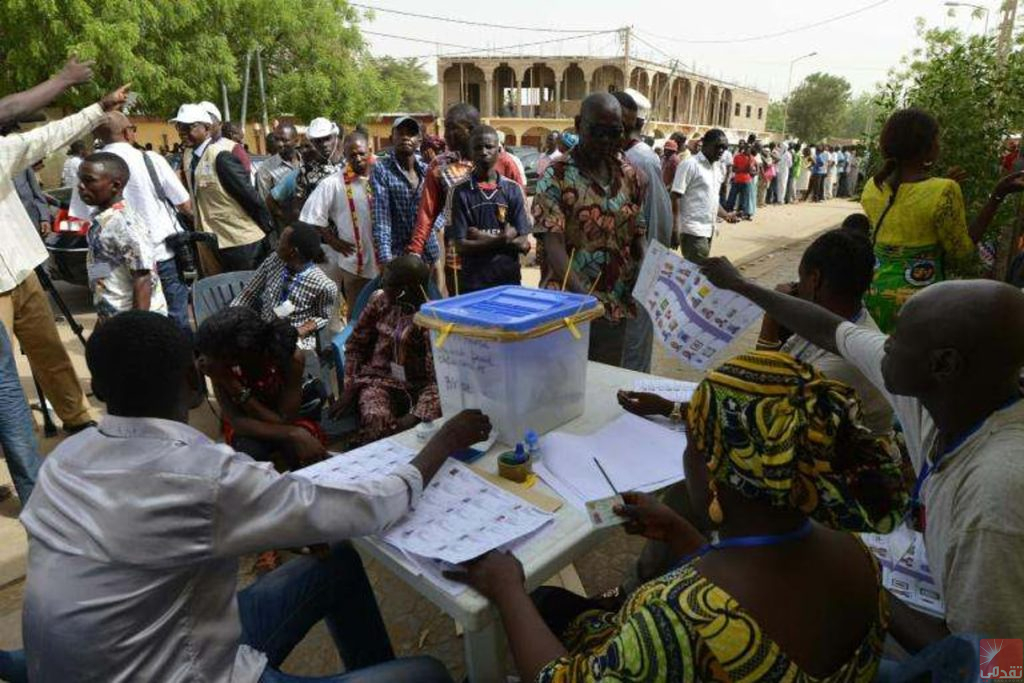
(49, 428)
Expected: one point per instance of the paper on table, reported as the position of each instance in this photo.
(461, 516)
(348, 470)
(637, 455)
(693, 319)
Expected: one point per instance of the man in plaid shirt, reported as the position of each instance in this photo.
(288, 285)
(397, 183)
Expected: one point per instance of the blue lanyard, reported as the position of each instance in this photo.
(916, 510)
(287, 282)
(801, 531)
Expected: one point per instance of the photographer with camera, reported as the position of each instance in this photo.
(157, 195)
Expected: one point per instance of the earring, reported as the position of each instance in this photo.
(714, 507)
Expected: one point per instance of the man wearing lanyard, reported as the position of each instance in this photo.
(288, 285)
(951, 370)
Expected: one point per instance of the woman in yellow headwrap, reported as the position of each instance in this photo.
(778, 458)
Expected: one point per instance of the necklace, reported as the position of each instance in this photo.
(350, 177)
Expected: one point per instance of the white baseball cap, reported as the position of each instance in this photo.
(191, 113)
(643, 105)
(211, 109)
(321, 127)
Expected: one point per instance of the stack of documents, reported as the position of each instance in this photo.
(637, 454)
(459, 517)
(673, 390)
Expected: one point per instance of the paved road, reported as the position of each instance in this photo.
(768, 250)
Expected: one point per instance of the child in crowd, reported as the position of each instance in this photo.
(389, 367)
(120, 261)
(489, 221)
(288, 285)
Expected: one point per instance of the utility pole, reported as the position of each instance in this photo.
(1009, 236)
(245, 91)
(224, 97)
(626, 31)
(263, 92)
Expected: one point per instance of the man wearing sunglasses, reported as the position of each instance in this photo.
(695, 191)
(590, 205)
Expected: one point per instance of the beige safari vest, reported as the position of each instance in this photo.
(216, 210)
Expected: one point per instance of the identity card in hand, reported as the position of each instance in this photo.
(602, 512)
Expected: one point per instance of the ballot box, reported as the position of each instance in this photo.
(518, 354)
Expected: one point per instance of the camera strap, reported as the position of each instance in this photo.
(159, 188)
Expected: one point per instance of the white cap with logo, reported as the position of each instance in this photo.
(321, 127)
(191, 113)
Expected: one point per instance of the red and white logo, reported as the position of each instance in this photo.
(1002, 659)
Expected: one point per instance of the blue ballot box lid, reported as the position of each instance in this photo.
(510, 308)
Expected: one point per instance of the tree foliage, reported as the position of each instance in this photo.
(409, 75)
(858, 118)
(816, 105)
(776, 114)
(315, 60)
(974, 95)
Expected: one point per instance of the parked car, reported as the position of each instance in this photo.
(529, 156)
(67, 243)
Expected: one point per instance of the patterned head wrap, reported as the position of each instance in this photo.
(776, 430)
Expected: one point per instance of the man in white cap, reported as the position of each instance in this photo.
(322, 156)
(216, 133)
(224, 200)
(636, 353)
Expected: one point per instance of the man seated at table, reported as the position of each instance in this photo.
(135, 530)
(389, 366)
(288, 285)
(489, 222)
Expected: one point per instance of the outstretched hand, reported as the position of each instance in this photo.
(491, 574)
(116, 100)
(76, 72)
(722, 273)
(644, 404)
(1010, 184)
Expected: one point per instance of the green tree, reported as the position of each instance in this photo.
(315, 60)
(417, 93)
(776, 113)
(859, 117)
(816, 106)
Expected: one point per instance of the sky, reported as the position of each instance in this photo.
(754, 40)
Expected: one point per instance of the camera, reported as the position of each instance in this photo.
(182, 245)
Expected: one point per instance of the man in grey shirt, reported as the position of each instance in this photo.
(136, 526)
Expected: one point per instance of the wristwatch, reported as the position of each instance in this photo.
(677, 412)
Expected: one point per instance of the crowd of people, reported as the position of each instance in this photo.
(878, 396)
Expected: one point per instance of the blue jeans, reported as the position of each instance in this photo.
(17, 434)
(176, 294)
(739, 197)
(954, 659)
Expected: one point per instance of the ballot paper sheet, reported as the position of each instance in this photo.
(693, 319)
(905, 570)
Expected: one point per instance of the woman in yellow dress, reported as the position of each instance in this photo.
(919, 223)
(777, 456)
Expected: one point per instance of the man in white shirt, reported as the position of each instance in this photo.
(136, 527)
(951, 371)
(24, 306)
(343, 199)
(143, 190)
(696, 191)
(69, 173)
(782, 167)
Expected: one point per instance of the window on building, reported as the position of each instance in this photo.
(760, 113)
(749, 108)
(737, 109)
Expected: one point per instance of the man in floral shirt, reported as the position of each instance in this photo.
(589, 204)
(121, 261)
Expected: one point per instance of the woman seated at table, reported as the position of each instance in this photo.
(778, 458)
(256, 368)
(389, 367)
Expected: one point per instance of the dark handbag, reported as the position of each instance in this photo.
(314, 395)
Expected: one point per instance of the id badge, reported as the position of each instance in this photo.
(398, 372)
(284, 309)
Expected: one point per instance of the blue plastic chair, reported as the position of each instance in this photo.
(216, 292)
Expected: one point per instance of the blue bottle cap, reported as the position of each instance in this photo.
(531, 437)
(520, 452)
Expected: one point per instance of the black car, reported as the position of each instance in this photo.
(67, 243)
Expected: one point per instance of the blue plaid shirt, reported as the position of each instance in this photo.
(394, 210)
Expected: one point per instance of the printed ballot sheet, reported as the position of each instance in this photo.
(905, 569)
(693, 319)
(673, 390)
(459, 516)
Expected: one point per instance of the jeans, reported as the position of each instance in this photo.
(13, 668)
(176, 294)
(17, 435)
(739, 198)
(278, 610)
(953, 659)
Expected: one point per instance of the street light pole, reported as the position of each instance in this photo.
(981, 8)
(789, 86)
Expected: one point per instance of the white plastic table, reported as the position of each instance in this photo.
(569, 536)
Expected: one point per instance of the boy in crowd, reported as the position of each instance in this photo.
(288, 285)
(120, 261)
(489, 222)
(389, 367)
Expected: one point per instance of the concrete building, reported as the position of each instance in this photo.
(527, 97)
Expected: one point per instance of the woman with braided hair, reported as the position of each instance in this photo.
(919, 224)
(778, 459)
